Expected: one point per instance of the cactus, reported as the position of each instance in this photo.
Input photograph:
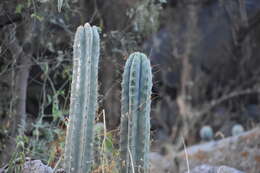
(237, 129)
(206, 133)
(83, 106)
(135, 110)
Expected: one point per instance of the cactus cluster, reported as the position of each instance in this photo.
(135, 119)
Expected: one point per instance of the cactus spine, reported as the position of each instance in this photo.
(135, 118)
(83, 106)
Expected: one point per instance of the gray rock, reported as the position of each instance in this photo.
(36, 166)
(214, 169)
(159, 163)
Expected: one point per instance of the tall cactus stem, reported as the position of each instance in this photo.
(135, 118)
(83, 106)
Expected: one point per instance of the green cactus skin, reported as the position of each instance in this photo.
(83, 106)
(237, 129)
(135, 118)
(206, 133)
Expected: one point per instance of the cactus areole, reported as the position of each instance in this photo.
(83, 102)
(135, 114)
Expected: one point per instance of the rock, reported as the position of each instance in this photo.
(214, 169)
(2, 170)
(60, 170)
(159, 164)
(241, 152)
(36, 166)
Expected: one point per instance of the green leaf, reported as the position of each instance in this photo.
(109, 147)
(29, 3)
(60, 2)
(34, 15)
(163, 1)
(19, 8)
(56, 112)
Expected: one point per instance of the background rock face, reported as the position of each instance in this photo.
(214, 169)
(237, 154)
(218, 63)
(241, 152)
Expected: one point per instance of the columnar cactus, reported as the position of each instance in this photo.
(83, 106)
(135, 118)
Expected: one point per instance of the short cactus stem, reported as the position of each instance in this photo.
(83, 101)
(135, 114)
(237, 129)
(206, 133)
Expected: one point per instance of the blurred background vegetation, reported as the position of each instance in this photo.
(205, 58)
